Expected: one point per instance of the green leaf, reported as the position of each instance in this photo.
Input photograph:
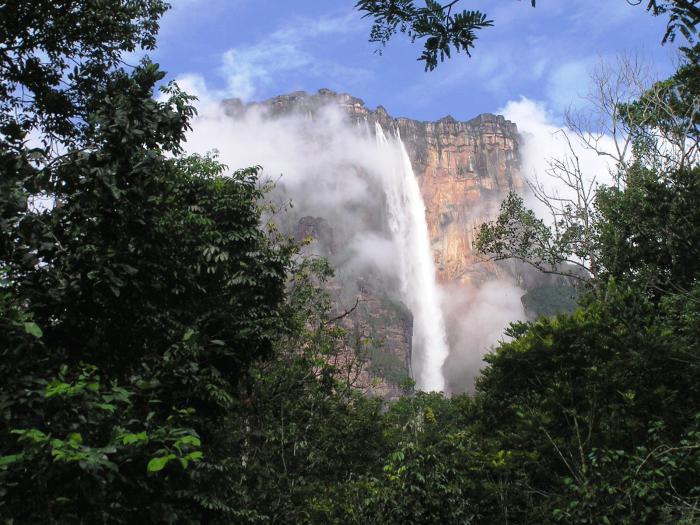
(158, 464)
(56, 388)
(189, 440)
(130, 439)
(32, 434)
(33, 329)
(195, 456)
(5, 461)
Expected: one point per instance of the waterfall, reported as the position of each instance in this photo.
(406, 214)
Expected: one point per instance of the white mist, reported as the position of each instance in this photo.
(406, 214)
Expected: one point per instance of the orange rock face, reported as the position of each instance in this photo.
(464, 171)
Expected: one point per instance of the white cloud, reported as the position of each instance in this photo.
(246, 70)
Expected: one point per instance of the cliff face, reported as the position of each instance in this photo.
(464, 170)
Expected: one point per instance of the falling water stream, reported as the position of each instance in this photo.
(406, 213)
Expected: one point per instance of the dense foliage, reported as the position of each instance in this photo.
(603, 403)
(137, 285)
(165, 357)
(135, 305)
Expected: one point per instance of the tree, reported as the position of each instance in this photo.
(591, 401)
(302, 434)
(134, 306)
(55, 54)
(54, 59)
(569, 247)
(651, 122)
(148, 293)
(435, 22)
(157, 362)
(637, 228)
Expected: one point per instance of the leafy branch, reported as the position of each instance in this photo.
(445, 30)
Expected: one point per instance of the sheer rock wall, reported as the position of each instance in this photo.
(464, 170)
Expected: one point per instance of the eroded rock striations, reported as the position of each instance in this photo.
(464, 170)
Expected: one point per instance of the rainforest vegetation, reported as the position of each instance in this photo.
(166, 356)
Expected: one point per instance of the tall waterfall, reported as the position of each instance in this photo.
(406, 213)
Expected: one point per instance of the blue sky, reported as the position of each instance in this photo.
(255, 49)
